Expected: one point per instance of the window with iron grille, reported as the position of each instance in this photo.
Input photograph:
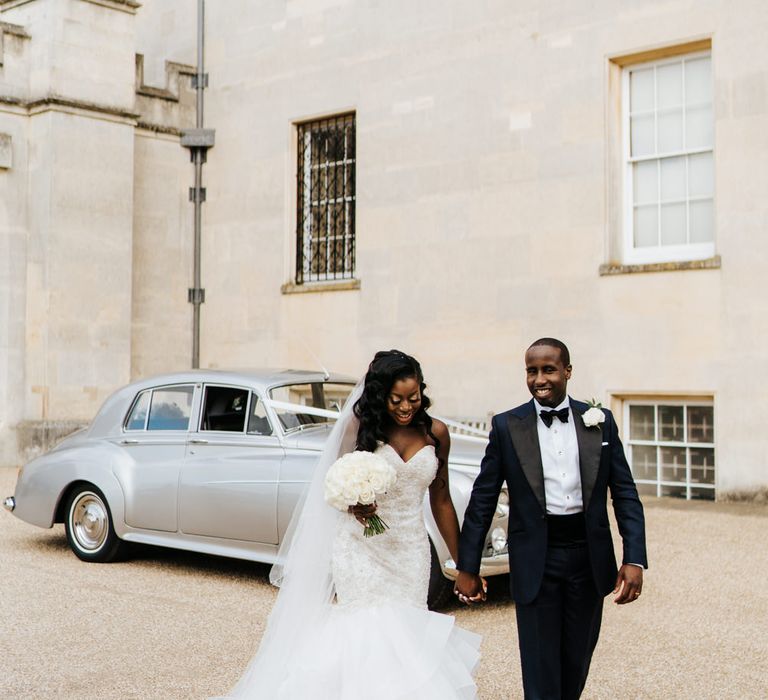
(325, 207)
(672, 448)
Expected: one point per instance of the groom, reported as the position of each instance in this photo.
(559, 458)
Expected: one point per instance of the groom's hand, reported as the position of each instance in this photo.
(470, 588)
(629, 584)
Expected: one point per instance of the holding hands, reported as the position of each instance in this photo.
(470, 588)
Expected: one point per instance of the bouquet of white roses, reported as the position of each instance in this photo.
(357, 478)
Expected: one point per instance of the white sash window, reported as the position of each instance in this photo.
(669, 149)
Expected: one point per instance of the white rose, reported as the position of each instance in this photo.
(366, 496)
(351, 491)
(336, 499)
(380, 481)
(333, 486)
(593, 416)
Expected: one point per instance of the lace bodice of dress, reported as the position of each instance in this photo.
(394, 566)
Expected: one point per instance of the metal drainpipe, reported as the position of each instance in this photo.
(198, 140)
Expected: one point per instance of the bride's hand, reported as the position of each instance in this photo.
(362, 513)
(470, 588)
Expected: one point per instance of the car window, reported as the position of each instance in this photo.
(224, 409)
(258, 423)
(326, 395)
(137, 418)
(170, 408)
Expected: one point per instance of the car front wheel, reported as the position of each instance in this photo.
(88, 525)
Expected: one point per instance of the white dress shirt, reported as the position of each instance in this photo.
(560, 460)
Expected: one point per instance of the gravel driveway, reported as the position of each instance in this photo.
(167, 624)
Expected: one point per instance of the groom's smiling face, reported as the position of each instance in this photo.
(546, 375)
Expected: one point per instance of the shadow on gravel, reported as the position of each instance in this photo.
(192, 563)
(195, 562)
(50, 541)
(54, 541)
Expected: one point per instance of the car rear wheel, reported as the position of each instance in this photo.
(88, 525)
(440, 588)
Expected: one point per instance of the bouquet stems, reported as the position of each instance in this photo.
(374, 526)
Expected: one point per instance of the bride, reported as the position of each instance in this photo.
(351, 618)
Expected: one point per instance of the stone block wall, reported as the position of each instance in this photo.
(73, 107)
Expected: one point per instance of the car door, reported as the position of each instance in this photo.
(154, 442)
(229, 482)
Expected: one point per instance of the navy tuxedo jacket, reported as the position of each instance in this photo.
(513, 456)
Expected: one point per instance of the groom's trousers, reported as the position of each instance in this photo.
(558, 630)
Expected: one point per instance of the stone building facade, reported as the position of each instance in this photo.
(91, 152)
(592, 171)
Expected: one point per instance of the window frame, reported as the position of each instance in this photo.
(252, 393)
(279, 417)
(203, 405)
(151, 391)
(659, 483)
(660, 253)
(332, 274)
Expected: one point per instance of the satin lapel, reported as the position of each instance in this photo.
(525, 439)
(590, 447)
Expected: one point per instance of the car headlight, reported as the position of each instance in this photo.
(499, 539)
(502, 507)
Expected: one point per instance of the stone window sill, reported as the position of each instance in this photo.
(620, 269)
(329, 286)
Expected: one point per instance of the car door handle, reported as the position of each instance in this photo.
(198, 441)
(129, 442)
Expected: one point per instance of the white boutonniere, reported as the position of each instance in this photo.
(594, 414)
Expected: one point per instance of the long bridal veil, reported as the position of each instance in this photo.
(302, 570)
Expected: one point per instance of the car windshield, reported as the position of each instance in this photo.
(326, 395)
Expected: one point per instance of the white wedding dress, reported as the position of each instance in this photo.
(379, 640)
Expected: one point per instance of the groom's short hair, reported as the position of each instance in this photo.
(565, 356)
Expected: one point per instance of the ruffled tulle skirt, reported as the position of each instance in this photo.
(385, 652)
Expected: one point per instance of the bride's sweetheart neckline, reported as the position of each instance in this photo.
(406, 461)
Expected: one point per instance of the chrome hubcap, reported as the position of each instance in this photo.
(89, 520)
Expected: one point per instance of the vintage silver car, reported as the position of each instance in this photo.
(214, 462)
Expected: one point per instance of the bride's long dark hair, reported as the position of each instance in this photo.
(386, 368)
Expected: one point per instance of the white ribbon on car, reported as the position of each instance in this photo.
(333, 415)
(299, 408)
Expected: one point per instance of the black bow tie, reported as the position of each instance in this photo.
(549, 416)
